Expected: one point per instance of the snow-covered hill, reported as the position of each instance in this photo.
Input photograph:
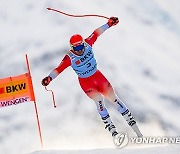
(140, 56)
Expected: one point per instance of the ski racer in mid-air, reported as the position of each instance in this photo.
(95, 85)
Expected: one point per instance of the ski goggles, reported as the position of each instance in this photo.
(79, 47)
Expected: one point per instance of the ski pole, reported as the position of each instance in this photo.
(54, 102)
(71, 15)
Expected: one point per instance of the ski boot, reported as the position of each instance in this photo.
(131, 122)
(109, 125)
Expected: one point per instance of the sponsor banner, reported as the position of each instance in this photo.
(14, 101)
(15, 90)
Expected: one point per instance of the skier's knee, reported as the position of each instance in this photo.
(103, 112)
(101, 108)
(121, 107)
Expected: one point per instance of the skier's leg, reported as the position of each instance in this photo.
(92, 93)
(104, 114)
(121, 107)
(107, 90)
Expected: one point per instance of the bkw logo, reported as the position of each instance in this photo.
(15, 88)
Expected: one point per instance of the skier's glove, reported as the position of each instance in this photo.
(46, 81)
(113, 21)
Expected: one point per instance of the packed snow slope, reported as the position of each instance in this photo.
(140, 57)
(152, 150)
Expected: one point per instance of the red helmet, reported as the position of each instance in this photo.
(76, 40)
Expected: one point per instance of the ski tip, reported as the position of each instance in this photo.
(49, 8)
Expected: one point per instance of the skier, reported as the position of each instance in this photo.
(81, 58)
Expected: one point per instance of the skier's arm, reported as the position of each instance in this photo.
(62, 66)
(66, 62)
(93, 37)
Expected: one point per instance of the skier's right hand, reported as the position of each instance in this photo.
(46, 81)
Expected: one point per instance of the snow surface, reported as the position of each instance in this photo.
(140, 57)
(152, 150)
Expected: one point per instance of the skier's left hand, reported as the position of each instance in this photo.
(113, 21)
